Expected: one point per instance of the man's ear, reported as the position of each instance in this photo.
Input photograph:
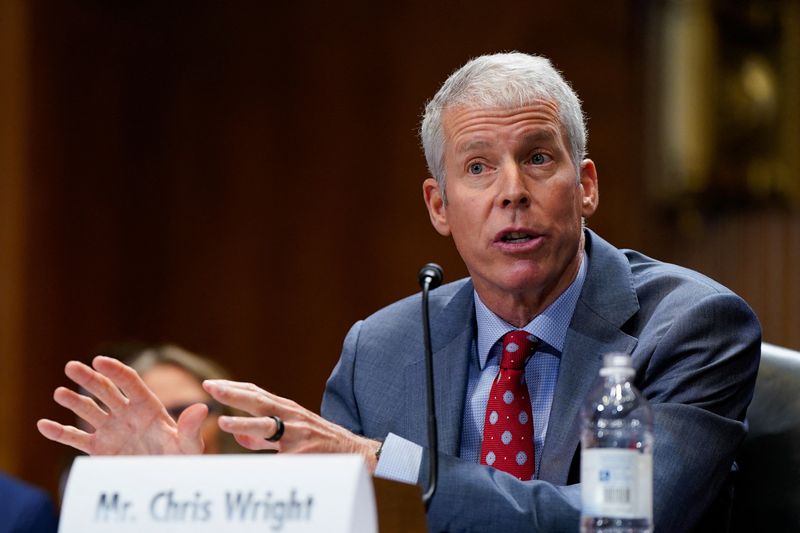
(589, 190)
(437, 210)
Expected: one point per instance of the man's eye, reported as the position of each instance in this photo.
(539, 159)
(476, 168)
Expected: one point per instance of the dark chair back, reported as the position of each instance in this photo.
(767, 494)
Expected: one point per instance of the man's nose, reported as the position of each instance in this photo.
(514, 191)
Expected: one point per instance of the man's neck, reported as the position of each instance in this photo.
(519, 308)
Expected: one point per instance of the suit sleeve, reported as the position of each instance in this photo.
(699, 381)
(339, 402)
(477, 498)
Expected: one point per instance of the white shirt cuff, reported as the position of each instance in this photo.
(400, 460)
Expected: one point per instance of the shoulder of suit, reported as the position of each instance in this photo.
(623, 283)
(409, 307)
(645, 272)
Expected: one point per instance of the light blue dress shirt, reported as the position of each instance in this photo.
(400, 459)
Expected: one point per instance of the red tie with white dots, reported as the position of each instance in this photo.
(508, 425)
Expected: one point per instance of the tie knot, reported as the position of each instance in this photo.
(517, 346)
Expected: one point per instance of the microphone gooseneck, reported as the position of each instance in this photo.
(430, 277)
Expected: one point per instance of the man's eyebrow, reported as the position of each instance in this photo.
(472, 145)
(541, 136)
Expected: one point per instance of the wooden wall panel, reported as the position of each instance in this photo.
(757, 254)
(13, 173)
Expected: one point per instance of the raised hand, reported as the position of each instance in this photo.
(304, 431)
(132, 422)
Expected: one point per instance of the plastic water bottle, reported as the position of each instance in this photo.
(616, 453)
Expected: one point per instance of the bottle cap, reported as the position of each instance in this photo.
(617, 363)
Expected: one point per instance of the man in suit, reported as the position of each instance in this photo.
(697, 375)
(25, 509)
(505, 143)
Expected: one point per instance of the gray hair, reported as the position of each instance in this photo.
(505, 80)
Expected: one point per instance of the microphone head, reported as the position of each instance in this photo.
(432, 272)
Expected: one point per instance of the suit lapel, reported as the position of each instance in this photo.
(580, 364)
(607, 301)
(452, 335)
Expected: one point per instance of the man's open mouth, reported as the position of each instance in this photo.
(516, 237)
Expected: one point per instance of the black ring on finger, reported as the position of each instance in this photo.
(278, 431)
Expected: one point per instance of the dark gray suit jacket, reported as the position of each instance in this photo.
(695, 347)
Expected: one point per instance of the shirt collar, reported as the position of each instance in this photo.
(550, 326)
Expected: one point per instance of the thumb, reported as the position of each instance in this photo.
(190, 424)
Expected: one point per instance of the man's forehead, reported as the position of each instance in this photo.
(471, 126)
(499, 109)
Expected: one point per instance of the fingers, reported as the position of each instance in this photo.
(96, 383)
(254, 443)
(240, 385)
(261, 427)
(304, 430)
(126, 379)
(190, 426)
(251, 433)
(68, 435)
(248, 398)
(112, 382)
(82, 406)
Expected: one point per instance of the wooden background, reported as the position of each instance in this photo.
(244, 179)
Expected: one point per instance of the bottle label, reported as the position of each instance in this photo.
(617, 483)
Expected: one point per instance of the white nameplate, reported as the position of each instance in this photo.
(231, 493)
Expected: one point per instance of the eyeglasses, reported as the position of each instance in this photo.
(175, 411)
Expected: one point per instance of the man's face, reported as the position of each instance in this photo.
(514, 202)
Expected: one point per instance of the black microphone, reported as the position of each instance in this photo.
(430, 277)
(432, 274)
